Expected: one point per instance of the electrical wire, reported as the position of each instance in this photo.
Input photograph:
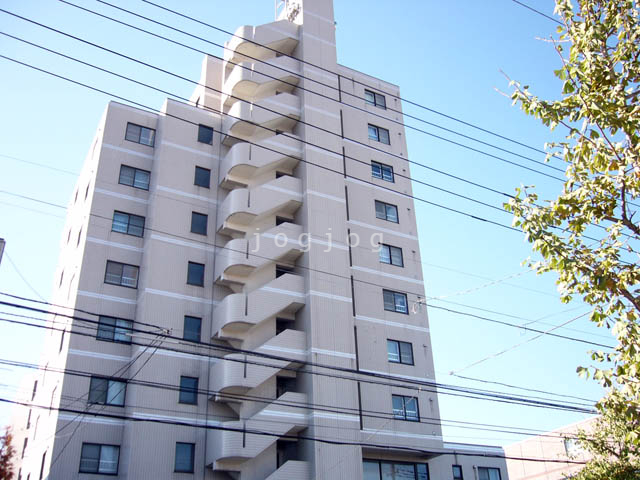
(536, 11)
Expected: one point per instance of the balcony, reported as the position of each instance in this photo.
(241, 256)
(249, 121)
(233, 376)
(251, 81)
(245, 161)
(292, 469)
(249, 40)
(282, 196)
(227, 450)
(239, 312)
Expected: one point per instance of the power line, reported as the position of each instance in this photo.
(536, 11)
(286, 436)
(17, 270)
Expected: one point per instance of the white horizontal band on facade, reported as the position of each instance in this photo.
(281, 190)
(322, 111)
(283, 292)
(329, 296)
(381, 229)
(280, 414)
(339, 246)
(272, 102)
(292, 351)
(122, 195)
(326, 195)
(126, 150)
(102, 356)
(293, 241)
(196, 420)
(210, 94)
(109, 298)
(388, 275)
(99, 241)
(472, 448)
(323, 151)
(392, 324)
(321, 40)
(185, 194)
(333, 353)
(408, 377)
(377, 187)
(182, 243)
(190, 150)
(371, 431)
(188, 106)
(179, 296)
(280, 146)
(321, 73)
(319, 17)
(169, 353)
(137, 110)
(335, 416)
(87, 418)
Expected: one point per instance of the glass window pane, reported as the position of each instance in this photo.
(457, 472)
(147, 136)
(385, 256)
(141, 179)
(387, 470)
(387, 173)
(371, 470)
(396, 256)
(122, 332)
(192, 327)
(114, 273)
(115, 393)
(188, 390)
(406, 352)
(392, 213)
(373, 132)
(483, 474)
(404, 471)
(369, 97)
(184, 457)
(89, 458)
(205, 134)
(129, 276)
(199, 223)
(411, 408)
(401, 303)
(380, 210)
(389, 303)
(380, 101)
(398, 406)
(203, 177)
(133, 132)
(106, 328)
(376, 170)
(136, 225)
(127, 175)
(120, 222)
(423, 471)
(494, 474)
(98, 390)
(109, 459)
(393, 353)
(384, 135)
(195, 274)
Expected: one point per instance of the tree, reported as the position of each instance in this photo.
(7, 451)
(589, 235)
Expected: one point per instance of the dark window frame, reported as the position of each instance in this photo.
(491, 468)
(393, 462)
(115, 331)
(187, 390)
(453, 471)
(401, 357)
(386, 291)
(122, 265)
(205, 134)
(135, 173)
(192, 459)
(80, 470)
(203, 170)
(389, 249)
(109, 380)
(189, 274)
(195, 215)
(381, 167)
(379, 134)
(404, 415)
(379, 100)
(386, 206)
(184, 329)
(130, 134)
(128, 225)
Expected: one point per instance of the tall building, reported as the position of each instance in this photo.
(249, 261)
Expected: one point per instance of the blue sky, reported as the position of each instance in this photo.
(447, 56)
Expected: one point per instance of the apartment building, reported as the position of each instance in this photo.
(248, 262)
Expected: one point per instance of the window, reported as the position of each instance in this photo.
(128, 223)
(121, 274)
(457, 472)
(192, 326)
(386, 211)
(79, 237)
(382, 171)
(96, 458)
(188, 390)
(399, 352)
(486, 473)
(405, 408)
(384, 469)
(391, 255)
(199, 223)
(44, 457)
(29, 420)
(114, 329)
(35, 389)
(395, 301)
(105, 391)
(184, 457)
(139, 134)
(195, 274)
(134, 177)
(205, 134)
(379, 134)
(203, 177)
(24, 446)
(373, 98)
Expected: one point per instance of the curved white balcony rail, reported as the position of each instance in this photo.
(253, 81)
(239, 312)
(241, 207)
(246, 160)
(241, 256)
(281, 36)
(227, 450)
(252, 121)
(234, 376)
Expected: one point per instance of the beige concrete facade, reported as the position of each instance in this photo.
(291, 188)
